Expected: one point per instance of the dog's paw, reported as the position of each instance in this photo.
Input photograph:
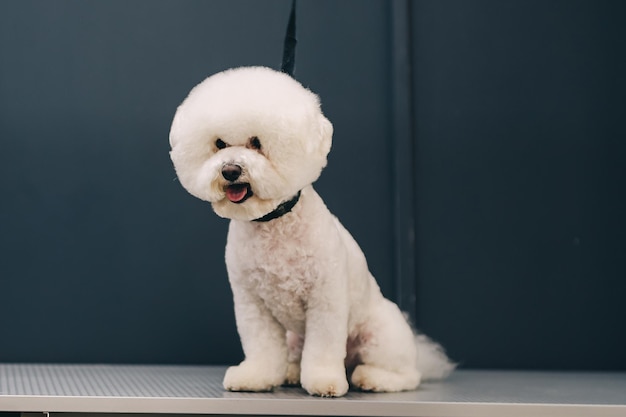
(325, 382)
(293, 374)
(371, 378)
(250, 376)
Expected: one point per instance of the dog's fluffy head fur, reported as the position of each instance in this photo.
(255, 124)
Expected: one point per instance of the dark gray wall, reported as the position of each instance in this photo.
(521, 180)
(477, 159)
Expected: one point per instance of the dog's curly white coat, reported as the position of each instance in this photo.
(308, 310)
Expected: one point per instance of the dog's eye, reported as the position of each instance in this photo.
(255, 143)
(220, 144)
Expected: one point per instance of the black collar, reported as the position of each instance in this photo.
(281, 210)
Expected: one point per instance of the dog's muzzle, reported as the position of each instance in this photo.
(235, 192)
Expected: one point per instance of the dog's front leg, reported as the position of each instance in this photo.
(264, 346)
(323, 370)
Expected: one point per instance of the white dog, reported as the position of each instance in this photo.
(251, 141)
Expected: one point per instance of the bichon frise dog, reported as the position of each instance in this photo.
(251, 141)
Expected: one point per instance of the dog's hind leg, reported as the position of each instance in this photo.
(387, 352)
(295, 342)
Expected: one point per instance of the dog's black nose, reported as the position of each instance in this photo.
(231, 172)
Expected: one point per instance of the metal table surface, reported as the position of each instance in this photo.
(192, 390)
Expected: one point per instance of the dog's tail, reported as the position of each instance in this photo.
(432, 361)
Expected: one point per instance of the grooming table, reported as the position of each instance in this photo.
(116, 390)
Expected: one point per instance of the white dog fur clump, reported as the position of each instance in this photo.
(250, 141)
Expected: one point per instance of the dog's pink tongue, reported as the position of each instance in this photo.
(236, 193)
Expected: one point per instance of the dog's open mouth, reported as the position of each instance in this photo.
(238, 193)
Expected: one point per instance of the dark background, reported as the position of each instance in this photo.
(478, 159)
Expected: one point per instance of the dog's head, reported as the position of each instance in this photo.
(248, 139)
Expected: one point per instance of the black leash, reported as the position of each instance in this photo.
(289, 50)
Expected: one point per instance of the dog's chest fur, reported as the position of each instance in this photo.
(277, 262)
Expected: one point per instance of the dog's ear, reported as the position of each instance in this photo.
(325, 135)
